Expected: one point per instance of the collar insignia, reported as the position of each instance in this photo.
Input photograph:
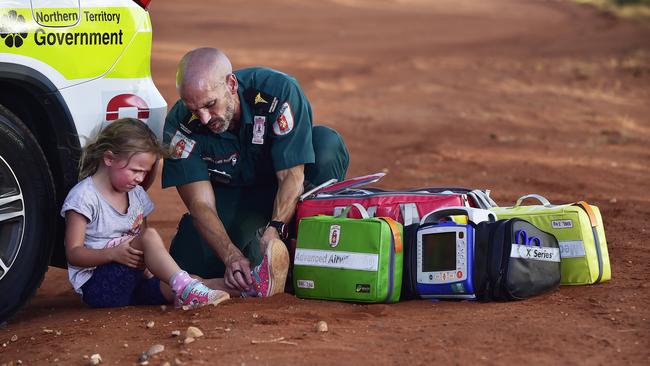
(259, 99)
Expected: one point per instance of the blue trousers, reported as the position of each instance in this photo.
(115, 285)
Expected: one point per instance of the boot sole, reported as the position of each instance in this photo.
(278, 265)
(223, 297)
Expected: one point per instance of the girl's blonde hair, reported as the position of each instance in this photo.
(126, 137)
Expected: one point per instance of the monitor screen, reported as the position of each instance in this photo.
(439, 252)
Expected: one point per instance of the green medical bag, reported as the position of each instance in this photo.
(358, 260)
(579, 230)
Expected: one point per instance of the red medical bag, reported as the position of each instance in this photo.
(406, 207)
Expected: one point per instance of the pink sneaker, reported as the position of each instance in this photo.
(271, 274)
(196, 294)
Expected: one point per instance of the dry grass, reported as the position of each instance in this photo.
(638, 10)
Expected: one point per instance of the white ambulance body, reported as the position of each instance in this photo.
(67, 68)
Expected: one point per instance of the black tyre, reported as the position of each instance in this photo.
(27, 214)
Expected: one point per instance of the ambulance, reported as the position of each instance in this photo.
(67, 68)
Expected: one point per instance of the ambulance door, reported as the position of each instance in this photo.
(81, 40)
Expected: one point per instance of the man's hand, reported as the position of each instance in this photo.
(127, 255)
(238, 273)
(269, 234)
(199, 199)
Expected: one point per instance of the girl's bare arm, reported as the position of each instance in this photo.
(79, 255)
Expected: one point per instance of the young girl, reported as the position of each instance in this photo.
(107, 242)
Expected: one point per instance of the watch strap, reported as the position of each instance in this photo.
(281, 228)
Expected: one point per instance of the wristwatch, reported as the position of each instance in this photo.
(281, 228)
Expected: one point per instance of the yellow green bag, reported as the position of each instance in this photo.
(579, 230)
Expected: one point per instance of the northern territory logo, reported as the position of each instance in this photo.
(13, 29)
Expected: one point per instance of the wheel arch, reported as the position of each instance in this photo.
(33, 98)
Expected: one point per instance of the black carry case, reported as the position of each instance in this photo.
(409, 292)
(514, 260)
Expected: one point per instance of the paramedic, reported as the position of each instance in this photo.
(243, 149)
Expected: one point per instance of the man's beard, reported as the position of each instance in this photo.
(221, 124)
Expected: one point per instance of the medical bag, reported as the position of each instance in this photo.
(579, 230)
(340, 258)
(463, 253)
(406, 206)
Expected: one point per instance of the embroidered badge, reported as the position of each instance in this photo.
(335, 235)
(284, 123)
(182, 145)
(259, 125)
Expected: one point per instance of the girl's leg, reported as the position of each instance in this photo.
(157, 259)
(156, 256)
(162, 265)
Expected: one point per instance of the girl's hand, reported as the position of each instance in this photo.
(127, 255)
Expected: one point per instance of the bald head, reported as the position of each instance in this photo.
(208, 89)
(202, 69)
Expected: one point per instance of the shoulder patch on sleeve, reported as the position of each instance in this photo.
(182, 145)
(284, 123)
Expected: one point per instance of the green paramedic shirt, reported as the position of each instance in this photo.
(275, 134)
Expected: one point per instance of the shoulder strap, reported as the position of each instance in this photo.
(397, 235)
(409, 269)
(594, 224)
(590, 212)
(481, 275)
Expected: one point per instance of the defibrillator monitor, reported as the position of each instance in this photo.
(445, 260)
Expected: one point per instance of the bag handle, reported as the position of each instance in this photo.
(482, 198)
(541, 199)
(410, 213)
(346, 210)
(397, 236)
(475, 215)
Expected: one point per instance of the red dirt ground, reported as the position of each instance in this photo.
(519, 97)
